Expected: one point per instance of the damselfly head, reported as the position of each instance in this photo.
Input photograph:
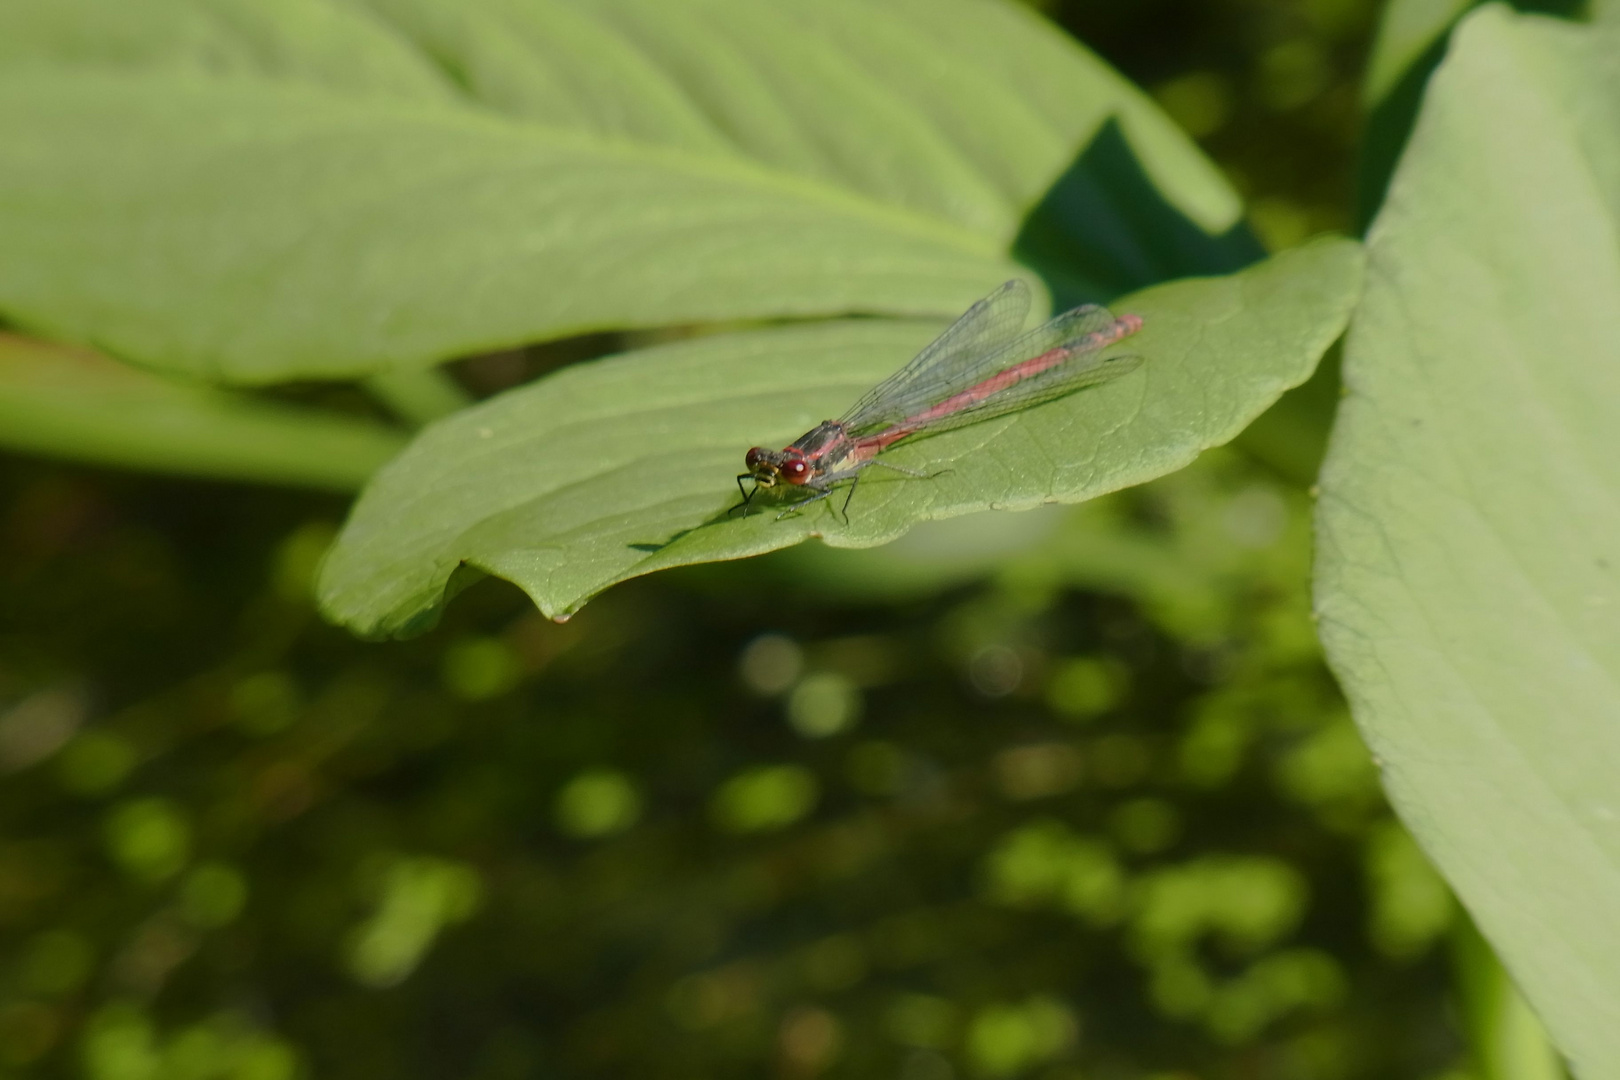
(768, 466)
(761, 467)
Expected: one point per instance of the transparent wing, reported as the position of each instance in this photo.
(983, 330)
(1056, 358)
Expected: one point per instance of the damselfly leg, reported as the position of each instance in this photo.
(747, 496)
(826, 486)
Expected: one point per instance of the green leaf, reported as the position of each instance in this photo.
(1467, 576)
(1411, 41)
(255, 190)
(418, 395)
(1407, 30)
(624, 466)
(335, 45)
(75, 404)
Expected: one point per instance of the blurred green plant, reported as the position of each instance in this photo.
(149, 838)
(417, 898)
(122, 1043)
(597, 803)
(764, 798)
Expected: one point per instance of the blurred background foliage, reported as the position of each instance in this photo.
(1066, 794)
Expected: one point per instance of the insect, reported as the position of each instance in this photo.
(979, 368)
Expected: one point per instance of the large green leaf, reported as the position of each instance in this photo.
(624, 466)
(1469, 578)
(256, 190)
(76, 404)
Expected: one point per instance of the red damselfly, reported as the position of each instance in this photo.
(981, 367)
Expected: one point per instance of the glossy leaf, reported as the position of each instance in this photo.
(256, 190)
(1468, 581)
(617, 468)
(75, 404)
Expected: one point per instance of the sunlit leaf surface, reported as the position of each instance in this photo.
(256, 190)
(1468, 570)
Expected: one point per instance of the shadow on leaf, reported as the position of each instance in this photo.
(1103, 229)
